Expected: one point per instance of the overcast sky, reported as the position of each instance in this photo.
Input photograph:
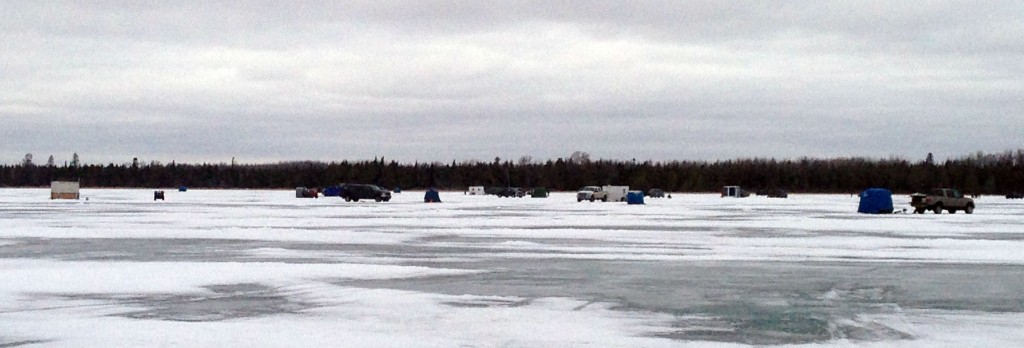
(260, 81)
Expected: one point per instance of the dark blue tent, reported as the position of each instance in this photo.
(634, 197)
(182, 188)
(875, 201)
(332, 191)
(432, 196)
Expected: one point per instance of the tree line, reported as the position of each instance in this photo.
(979, 173)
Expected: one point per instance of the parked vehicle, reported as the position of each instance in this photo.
(355, 192)
(511, 192)
(772, 193)
(539, 192)
(777, 193)
(586, 193)
(1014, 195)
(941, 199)
(655, 193)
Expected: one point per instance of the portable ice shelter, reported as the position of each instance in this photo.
(635, 197)
(64, 190)
(302, 192)
(476, 190)
(432, 196)
(332, 191)
(182, 188)
(539, 192)
(158, 195)
(875, 201)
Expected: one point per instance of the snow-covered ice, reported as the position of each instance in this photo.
(262, 268)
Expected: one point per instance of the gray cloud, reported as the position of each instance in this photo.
(442, 80)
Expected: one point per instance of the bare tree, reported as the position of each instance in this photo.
(579, 157)
(525, 160)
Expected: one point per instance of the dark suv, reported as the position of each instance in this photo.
(355, 192)
(511, 192)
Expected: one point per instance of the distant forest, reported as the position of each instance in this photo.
(974, 174)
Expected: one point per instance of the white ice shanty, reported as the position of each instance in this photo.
(476, 191)
(64, 190)
(734, 191)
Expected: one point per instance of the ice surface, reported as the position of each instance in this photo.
(262, 268)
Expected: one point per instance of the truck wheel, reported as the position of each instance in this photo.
(591, 198)
(579, 199)
(354, 199)
(604, 199)
(951, 211)
(969, 209)
(919, 211)
(348, 199)
(378, 199)
(937, 209)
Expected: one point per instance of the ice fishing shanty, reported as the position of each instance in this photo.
(302, 192)
(875, 201)
(734, 191)
(64, 190)
(431, 196)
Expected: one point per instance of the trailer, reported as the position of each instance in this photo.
(611, 193)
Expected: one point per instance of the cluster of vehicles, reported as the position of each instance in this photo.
(507, 191)
(612, 193)
(936, 200)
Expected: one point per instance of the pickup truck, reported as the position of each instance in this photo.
(942, 198)
(586, 193)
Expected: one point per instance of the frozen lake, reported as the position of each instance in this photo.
(261, 268)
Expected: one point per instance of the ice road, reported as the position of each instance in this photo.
(230, 268)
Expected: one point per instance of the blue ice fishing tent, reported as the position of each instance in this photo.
(332, 191)
(432, 196)
(635, 197)
(875, 201)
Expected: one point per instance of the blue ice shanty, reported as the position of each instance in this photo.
(432, 196)
(332, 191)
(875, 201)
(635, 197)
